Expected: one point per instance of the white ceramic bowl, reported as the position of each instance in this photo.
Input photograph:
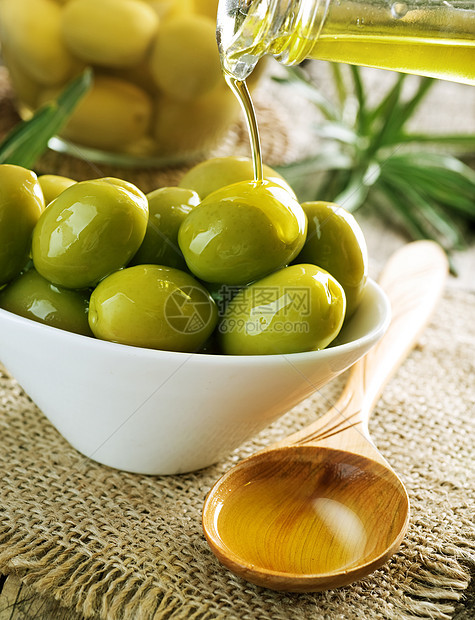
(160, 412)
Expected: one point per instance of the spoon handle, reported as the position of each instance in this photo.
(413, 279)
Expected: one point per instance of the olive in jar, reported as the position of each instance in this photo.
(183, 60)
(31, 32)
(109, 33)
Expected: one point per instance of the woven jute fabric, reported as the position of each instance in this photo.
(115, 545)
(120, 545)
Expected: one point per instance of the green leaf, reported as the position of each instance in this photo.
(353, 196)
(361, 118)
(337, 131)
(387, 102)
(438, 162)
(308, 177)
(433, 220)
(431, 194)
(357, 189)
(409, 107)
(443, 178)
(401, 210)
(29, 139)
(464, 141)
(383, 126)
(327, 160)
(339, 83)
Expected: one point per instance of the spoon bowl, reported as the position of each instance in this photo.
(297, 518)
(323, 508)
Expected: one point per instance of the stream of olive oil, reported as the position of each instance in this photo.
(411, 44)
(242, 94)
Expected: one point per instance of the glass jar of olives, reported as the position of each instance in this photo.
(158, 94)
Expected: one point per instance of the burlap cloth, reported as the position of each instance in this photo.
(117, 545)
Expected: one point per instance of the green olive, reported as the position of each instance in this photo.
(184, 60)
(26, 88)
(242, 232)
(112, 114)
(168, 207)
(90, 230)
(53, 185)
(299, 308)
(126, 185)
(153, 306)
(31, 29)
(111, 33)
(212, 174)
(21, 204)
(206, 7)
(181, 128)
(170, 8)
(336, 243)
(34, 297)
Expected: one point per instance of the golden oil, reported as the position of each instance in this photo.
(431, 38)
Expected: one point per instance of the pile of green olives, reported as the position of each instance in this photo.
(220, 263)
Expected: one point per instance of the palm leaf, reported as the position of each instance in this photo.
(28, 140)
(431, 194)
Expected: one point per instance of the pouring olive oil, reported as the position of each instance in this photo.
(242, 94)
(434, 38)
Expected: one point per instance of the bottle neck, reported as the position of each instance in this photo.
(250, 29)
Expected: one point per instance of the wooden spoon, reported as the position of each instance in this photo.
(323, 508)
